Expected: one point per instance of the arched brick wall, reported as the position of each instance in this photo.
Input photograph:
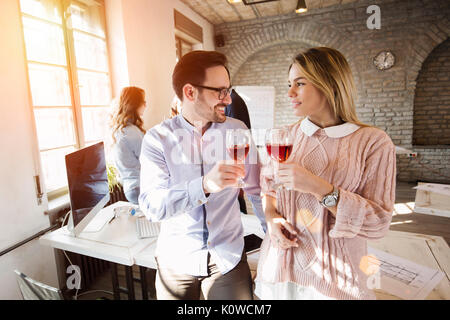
(432, 99)
(269, 67)
(313, 34)
(433, 162)
(411, 29)
(285, 34)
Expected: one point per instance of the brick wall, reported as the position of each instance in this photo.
(269, 67)
(432, 100)
(431, 165)
(259, 53)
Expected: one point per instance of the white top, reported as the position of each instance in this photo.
(339, 131)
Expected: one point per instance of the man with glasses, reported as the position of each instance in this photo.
(189, 184)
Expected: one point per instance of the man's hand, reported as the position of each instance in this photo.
(224, 174)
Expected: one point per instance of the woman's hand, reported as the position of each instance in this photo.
(298, 178)
(282, 234)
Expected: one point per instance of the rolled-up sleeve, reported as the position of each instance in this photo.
(368, 211)
(157, 199)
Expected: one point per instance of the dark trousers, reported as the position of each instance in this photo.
(234, 285)
(242, 205)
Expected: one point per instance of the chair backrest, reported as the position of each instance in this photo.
(34, 290)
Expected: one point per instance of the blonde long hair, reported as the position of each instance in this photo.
(328, 70)
(131, 98)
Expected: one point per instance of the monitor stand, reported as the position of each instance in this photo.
(83, 224)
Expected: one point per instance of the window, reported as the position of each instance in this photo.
(188, 35)
(69, 80)
(183, 47)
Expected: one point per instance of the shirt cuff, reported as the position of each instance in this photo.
(258, 210)
(196, 193)
(256, 201)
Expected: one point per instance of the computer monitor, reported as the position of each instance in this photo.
(88, 185)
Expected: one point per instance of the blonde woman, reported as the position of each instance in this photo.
(339, 190)
(127, 135)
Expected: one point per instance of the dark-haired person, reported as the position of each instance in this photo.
(127, 135)
(238, 109)
(188, 185)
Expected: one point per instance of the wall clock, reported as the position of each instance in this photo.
(384, 60)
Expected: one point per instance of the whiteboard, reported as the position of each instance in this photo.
(260, 101)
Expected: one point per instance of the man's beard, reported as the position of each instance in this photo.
(218, 116)
(214, 115)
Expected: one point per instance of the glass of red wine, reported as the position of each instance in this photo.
(279, 144)
(238, 146)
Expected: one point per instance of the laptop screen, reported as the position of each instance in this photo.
(87, 179)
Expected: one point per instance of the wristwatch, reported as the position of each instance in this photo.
(331, 199)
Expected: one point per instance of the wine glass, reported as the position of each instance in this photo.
(279, 144)
(238, 146)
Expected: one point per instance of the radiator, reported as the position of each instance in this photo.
(116, 195)
(91, 268)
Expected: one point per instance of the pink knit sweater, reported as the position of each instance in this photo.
(361, 163)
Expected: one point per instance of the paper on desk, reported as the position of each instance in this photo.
(435, 187)
(404, 278)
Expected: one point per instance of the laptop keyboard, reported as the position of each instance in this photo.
(147, 229)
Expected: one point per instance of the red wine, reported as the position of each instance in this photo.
(279, 153)
(239, 152)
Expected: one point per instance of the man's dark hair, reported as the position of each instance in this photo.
(192, 68)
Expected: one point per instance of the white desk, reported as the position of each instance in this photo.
(116, 242)
(251, 224)
(429, 251)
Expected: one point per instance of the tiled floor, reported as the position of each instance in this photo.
(403, 220)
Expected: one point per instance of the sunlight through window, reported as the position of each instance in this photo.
(402, 208)
(71, 105)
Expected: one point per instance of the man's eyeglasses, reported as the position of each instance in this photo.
(223, 92)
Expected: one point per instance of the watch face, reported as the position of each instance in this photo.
(384, 60)
(330, 201)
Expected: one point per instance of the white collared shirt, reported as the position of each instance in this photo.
(174, 158)
(339, 131)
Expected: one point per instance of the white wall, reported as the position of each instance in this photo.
(20, 215)
(142, 48)
(116, 46)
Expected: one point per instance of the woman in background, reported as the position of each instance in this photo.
(175, 107)
(340, 190)
(127, 135)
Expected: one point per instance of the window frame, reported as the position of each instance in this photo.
(73, 81)
(179, 41)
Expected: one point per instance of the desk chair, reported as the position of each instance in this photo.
(34, 290)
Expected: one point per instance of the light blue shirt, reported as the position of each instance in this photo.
(126, 152)
(174, 158)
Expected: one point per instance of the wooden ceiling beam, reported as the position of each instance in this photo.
(215, 12)
(256, 11)
(236, 11)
